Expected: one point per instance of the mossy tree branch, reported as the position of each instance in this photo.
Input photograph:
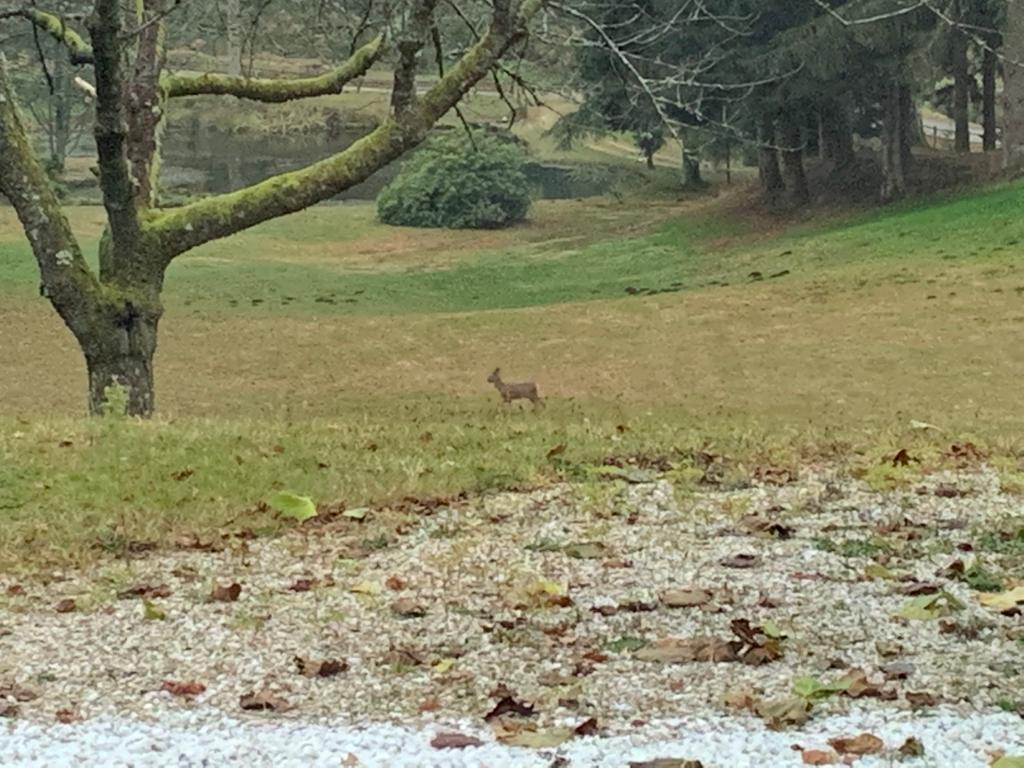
(177, 231)
(67, 280)
(56, 27)
(277, 91)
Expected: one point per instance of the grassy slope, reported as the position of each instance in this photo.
(913, 313)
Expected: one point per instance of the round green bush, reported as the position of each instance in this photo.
(448, 183)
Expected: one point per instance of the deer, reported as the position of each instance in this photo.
(526, 390)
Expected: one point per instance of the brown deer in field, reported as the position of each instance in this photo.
(526, 390)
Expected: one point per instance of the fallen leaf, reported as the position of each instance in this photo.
(183, 688)
(876, 571)
(443, 665)
(366, 588)
(508, 705)
(912, 747)
(742, 560)
(402, 658)
(586, 550)
(152, 612)
(679, 651)
(531, 739)
(687, 597)
(15, 590)
(8, 710)
(454, 741)
(408, 608)
(588, 727)
(1007, 761)
(927, 607)
(394, 583)
(145, 590)
(320, 668)
(358, 513)
(667, 762)
(921, 699)
(263, 701)
(741, 699)
(818, 757)
(225, 593)
(920, 588)
(67, 605)
(430, 704)
(813, 689)
(782, 713)
(67, 715)
(558, 450)
(291, 506)
(1003, 601)
(864, 744)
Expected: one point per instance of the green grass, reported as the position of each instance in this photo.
(881, 318)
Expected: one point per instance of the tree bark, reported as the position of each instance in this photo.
(989, 68)
(233, 36)
(792, 141)
(837, 132)
(772, 183)
(894, 180)
(691, 171)
(961, 86)
(1013, 86)
(119, 350)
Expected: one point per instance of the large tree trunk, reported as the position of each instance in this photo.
(793, 157)
(961, 86)
(768, 160)
(989, 67)
(61, 123)
(119, 353)
(894, 143)
(1013, 88)
(691, 171)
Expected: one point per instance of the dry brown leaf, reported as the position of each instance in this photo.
(679, 651)
(263, 701)
(859, 686)
(742, 560)
(15, 590)
(302, 585)
(320, 668)
(864, 744)
(921, 699)
(146, 590)
(8, 710)
(509, 705)
(453, 740)
(588, 727)
(67, 605)
(430, 704)
(818, 757)
(742, 699)
(667, 762)
(394, 583)
(226, 593)
(782, 713)
(912, 747)
(408, 608)
(17, 692)
(68, 715)
(686, 597)
(183, 688)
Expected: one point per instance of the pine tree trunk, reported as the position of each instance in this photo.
(119, 348)
(793, 158)
(837, 127)
(1013, 88)
(768, 160)
(961, 89)
(989, 67)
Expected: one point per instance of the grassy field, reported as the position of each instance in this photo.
(330, 355)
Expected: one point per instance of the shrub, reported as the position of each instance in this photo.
(450, 184)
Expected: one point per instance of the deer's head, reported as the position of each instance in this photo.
(495, 377)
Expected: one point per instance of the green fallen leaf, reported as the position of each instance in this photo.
(291, 506)
(152, 612)
(784, 712)
(876, 571)
(626, 643)
(1009, 762)
(813, 689)
(1003, 601)
(359, 513)
(770, 629)
(927, 607)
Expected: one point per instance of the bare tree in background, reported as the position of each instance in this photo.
(114, 312)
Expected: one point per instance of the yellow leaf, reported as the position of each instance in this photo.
(366, 588)
(444, 665)
(1003, 601)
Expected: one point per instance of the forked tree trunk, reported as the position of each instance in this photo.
(793, 158)
(119, 348)
(768, 160)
